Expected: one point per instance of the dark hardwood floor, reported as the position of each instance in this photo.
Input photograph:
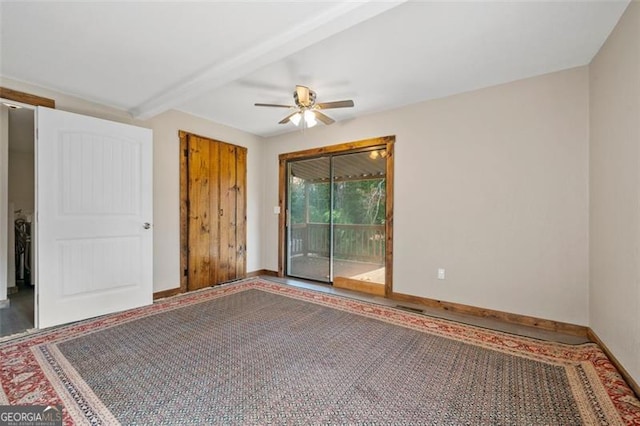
(18, 316)
(490, 323)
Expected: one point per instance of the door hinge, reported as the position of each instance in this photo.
(186, 272)
(186, 152)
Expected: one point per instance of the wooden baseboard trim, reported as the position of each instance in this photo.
(544, 324)
(179, 290)
(166, 293)
(359, 285)
(259, 272)
(625, 374)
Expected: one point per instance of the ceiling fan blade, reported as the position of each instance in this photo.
(287, 118)
(336, 104)
(303, 95)
(275, 105)
(324, 118)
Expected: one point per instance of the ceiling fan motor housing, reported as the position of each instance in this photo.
(312, 99)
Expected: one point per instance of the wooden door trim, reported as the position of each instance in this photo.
(184, 206)
(388, 142)
(184, 211)
(26, 98)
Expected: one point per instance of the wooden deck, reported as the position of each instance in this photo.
(317, 268)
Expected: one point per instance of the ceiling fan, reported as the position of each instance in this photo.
(307, 110)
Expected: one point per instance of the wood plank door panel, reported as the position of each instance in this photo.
(199, 193)
(241, 212)
(214, 209)
(227, 214)
(216, 212)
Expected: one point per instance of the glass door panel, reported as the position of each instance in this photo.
(309, 219)
(336, 214)
(359, 214)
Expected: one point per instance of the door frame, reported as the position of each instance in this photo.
(343, 148)
(184, 212)
(29, 101)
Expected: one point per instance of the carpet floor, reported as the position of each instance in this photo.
(258, 352)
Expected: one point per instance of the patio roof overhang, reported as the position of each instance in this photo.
(361, 166)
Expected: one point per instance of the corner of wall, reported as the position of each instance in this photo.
(4, 199)
(614, 192)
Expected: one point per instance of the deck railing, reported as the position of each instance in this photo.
(351, 242)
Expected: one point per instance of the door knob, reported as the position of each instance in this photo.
(146, 225)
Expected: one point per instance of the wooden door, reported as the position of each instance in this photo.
(94, 235)
(231, 212)
(216, 212)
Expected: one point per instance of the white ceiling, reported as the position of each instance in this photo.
(216, 59)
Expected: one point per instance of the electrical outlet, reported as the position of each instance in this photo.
(441, 274)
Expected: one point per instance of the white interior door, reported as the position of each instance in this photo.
(94, 215)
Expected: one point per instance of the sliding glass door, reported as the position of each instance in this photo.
(359, 214)
(336, 213)
(309, 219)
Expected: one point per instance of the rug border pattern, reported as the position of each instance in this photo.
(27, 378)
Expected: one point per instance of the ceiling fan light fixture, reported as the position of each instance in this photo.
(310, 118)
(295, 119)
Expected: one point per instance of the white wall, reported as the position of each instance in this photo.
(615, 192)
(167, 190)
(21, 181)
(491, 185)
(166, 167)
(21, 159)
(4, 206)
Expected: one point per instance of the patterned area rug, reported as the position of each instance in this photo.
(258, 352)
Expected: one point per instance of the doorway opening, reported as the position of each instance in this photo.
(338, 204)
(18, 205)
(18, 231)
(91, 238)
